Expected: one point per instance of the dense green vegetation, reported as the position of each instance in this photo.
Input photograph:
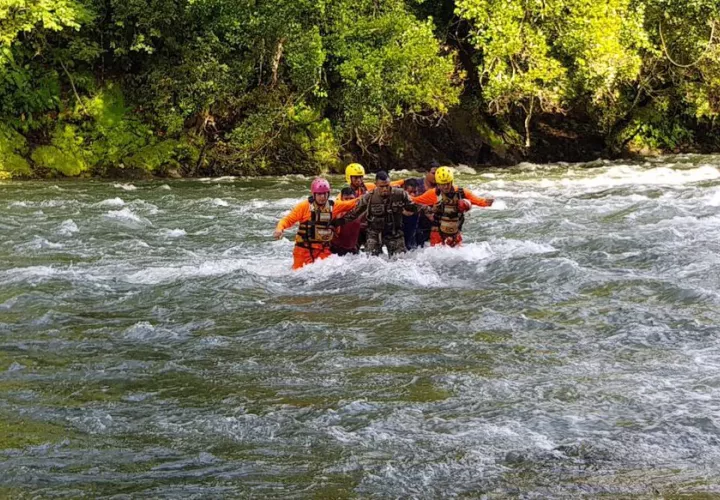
(207, 87)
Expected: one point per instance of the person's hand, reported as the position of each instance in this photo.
(407, 213)
(489, 201)
(277, 234)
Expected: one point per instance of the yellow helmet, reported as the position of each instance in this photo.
(353, 170)
(444, 175)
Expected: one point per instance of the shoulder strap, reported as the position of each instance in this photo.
(461, 193)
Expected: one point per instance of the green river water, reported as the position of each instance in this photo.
(155, 344)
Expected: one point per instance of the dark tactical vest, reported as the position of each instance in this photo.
(384, 214)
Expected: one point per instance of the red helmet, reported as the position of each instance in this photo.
(464, 205)
(319, 186)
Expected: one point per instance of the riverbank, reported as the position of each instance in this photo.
(461, 139)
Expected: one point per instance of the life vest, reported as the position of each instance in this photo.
(385, 214)
(317, 230)
(448, 218)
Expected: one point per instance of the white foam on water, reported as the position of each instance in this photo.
(504, 193)
(225, 178)
(38, 243)
(18, 204)
(147, 207)
(125, 187)
(165, 274)
(174, 233)
(497, 205)
(464, 169)
(509, 248)
(146, 331)
(68, 228)
(165, 187)
(713, 199)
(628, 175)
(283, 204)
(111, 202)
(55, 203)
(401, 271)
(401, 173)
(296, 176)
(127, 216)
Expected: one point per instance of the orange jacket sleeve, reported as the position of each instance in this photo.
(342, 207)
(300, 213)
(428, 198)
(476, 200)
(371, 186)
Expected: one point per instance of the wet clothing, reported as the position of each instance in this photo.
(424, 227)
(305, 256)
(451, 241)
(376, 239)
(347, 238)
(410, 228)
(424, 222)
(384, 215)
(316, 231)
(447, 220)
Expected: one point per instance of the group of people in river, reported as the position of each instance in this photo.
(399, 215)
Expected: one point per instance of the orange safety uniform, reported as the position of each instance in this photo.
(312, 241)
(448, 219)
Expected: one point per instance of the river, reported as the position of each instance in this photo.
(155, 344)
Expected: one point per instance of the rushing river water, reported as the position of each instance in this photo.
(154, 342)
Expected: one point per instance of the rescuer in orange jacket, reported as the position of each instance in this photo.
(354, 176)
(449, 205)
(315, 216)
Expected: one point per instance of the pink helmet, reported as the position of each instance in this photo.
(319, 185)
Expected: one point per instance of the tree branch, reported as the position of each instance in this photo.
(669, 58)
(72, 84)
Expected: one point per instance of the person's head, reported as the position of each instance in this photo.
(347, 193)
(354, 174)
(410, 187)
(444, 178)
(430, 175)
(320, 189)
(382, 183)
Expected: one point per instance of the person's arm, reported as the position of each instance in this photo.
(356, 211)
(477, 201)
(297, 214)
(409, 208)
(341, 207)
(398, 183)
(428, 198)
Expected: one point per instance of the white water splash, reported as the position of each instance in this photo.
(68, 228)
(128, 217)
(111, 202)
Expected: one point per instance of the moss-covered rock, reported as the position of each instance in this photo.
(12, 147)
